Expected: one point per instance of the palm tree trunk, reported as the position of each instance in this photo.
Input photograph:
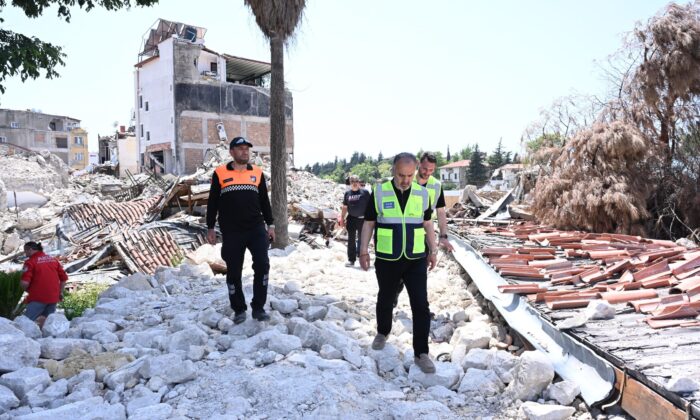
(278, 144)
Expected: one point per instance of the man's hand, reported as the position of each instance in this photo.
(445, 244)
(211, 236)
(341, 222)
(432, 261)
(364, 261)
(271, 234)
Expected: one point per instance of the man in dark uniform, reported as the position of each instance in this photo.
(399, 215)
(238, 195)
(354, 204)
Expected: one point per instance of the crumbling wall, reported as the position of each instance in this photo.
(37, 173)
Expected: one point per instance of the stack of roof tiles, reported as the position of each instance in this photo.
(569, 269)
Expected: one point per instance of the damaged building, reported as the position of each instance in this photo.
(188, 98)
(37, 131)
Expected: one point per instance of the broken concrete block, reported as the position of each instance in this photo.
(27, 326)
(8, 399)
(56, 325)
(169, 367)
(284, 306)
(25, 379)
(91, 408)
(18, 351)
(682, 385)
(446, 375)
(480, 381)
(29, 219)
(12, 243)
(563, 392)
(536, 411)
(61, 348)
(532, 375)
(285, 344)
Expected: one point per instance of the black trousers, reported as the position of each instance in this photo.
(233, 252)
(354, 227)
(414, 275)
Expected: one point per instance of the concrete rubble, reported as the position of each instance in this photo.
(161, 342)
(172, 351)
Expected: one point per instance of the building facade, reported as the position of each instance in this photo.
(78, 154)
(37, 131)
(455, 173)
(189, 98)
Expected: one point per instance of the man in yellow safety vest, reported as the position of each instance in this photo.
(399, 215)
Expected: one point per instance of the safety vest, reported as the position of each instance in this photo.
(433, 186)
(400, 233)
(236, 180)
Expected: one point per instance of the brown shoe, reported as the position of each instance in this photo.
(379, 342)
(424, 363)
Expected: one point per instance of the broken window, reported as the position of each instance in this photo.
(14, 124)
(78, 140)
(213, 67)
(62, 142)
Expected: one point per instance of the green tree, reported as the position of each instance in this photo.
(277, 19)
(545, 141)
(384, 169)
(27, 56)
(466, 152)
(477, 173)
(498, 157)
(367, 172)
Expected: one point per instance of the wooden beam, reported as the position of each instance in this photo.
(641, 402)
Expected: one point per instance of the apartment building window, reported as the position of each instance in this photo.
(62, 142)
(141, 131)
(140, 101)
(78, 157)
(148, 136)
(14, 124)
(213, 66)
(146, 105)
(78, 140)
(3, 139)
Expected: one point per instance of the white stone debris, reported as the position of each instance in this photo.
(600, 309)
(148, 354)
(682, 384)
(536, 411)
(563, 392)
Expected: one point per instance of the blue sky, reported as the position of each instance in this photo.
(370, 76)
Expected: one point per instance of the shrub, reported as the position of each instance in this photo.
(10, 294)
(75, 303)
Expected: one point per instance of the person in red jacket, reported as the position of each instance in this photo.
(43, 278)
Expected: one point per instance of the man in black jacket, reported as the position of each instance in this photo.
(238, 195)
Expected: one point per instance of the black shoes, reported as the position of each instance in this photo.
(239, 317)
(260, 315)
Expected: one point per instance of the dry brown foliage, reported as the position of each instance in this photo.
(598, 181)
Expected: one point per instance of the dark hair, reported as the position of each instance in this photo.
(429, 157)
(405, 157)
(36, 246)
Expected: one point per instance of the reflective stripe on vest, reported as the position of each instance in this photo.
(400, 233)
(433, 186)
(236, 180)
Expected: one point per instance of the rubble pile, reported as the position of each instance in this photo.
(40, 173)
(488, 205)
(165, 346)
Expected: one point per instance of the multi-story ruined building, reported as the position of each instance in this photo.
(188, 98)
(37, 131)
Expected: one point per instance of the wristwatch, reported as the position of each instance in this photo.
(443, 236)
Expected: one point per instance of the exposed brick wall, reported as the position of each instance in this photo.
(258, 133)
(193, 158)
(233, 129)
(157, 147)
(191, 130)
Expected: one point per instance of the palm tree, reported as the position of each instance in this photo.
(277, 20)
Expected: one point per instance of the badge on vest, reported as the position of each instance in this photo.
(389, 205)
(253, 178)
